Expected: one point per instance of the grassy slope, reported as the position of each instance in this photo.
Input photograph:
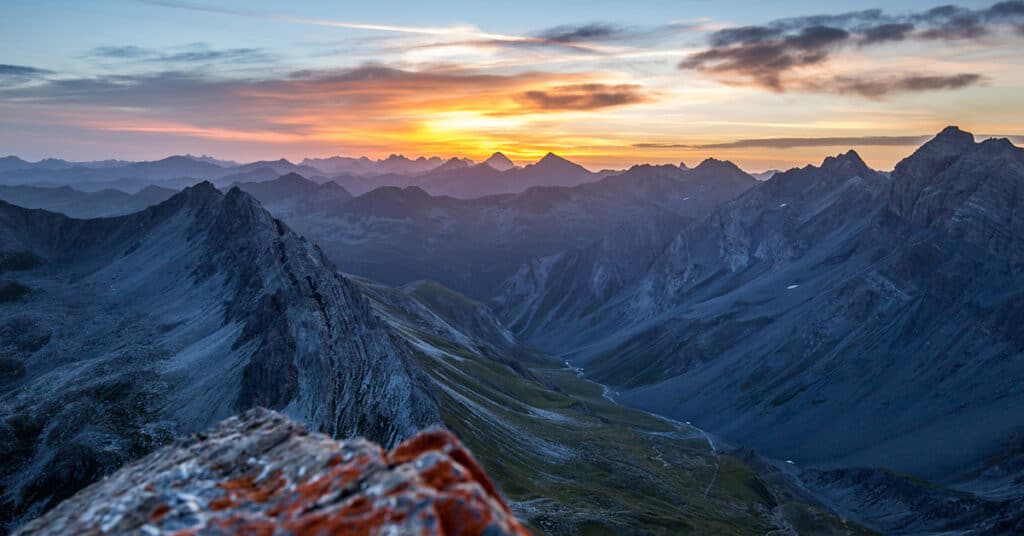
(572, 461)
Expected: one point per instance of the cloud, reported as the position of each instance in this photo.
(894, 31)
(15, 75)
(794, 143)
(194, 53)
(758, 56)
(367, 102)
(23, 71)
(573, 34)
(585, 96)
(879, 87)
(790, 143)
(776, 55)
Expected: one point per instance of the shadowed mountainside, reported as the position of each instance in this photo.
(137, 328)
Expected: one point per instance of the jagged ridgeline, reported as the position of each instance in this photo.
(122, 333)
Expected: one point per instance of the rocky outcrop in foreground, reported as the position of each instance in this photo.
(261, 473)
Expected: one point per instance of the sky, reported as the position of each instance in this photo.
(607, 84)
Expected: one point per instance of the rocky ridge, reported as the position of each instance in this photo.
(260, 473)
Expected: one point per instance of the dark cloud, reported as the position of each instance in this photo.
(574, 34)
(895, 31)
(585, 96)
(744, 35)
(23, 71)
(952, 22)
(766, 55)
(876, 88)
(195, 53)
(764, 60)
(15, 75)
(128, 52)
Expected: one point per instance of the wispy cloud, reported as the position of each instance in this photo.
(13, 75)
(465, 31)
(585, 96)
(189, 54)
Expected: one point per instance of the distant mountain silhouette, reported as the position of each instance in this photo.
(499, 162)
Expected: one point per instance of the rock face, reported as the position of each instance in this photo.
(260, 473)
(163, 322)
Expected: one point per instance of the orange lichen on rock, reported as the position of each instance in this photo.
(264, 475)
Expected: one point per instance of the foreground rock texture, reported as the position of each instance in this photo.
(261, 473)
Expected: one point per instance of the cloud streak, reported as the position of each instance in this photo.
(790, 143)
(795, 143)
(581, 97)
(16, 75)
(191, 54)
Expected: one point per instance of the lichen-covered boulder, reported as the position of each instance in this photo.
(263, 474)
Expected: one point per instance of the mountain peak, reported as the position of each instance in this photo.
(719, 166)
(551, 157)
(849, 161)
(553, 161)
(953, 133)
(499, 162)
(936, 154)
(453, 163)
(202, 188)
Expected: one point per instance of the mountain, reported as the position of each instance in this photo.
(139, 174)
(461, 179)
(291, 193)
(211, 160)
(394, 164)
(280, 167)
(499, 162)
(118, 334)
(765, 175)
(553, 170)
(452, 164)
(398, 235)
(124, 332)
(830, 315)
(10, 163)
(77, 204)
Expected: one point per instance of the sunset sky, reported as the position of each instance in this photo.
(607, 84)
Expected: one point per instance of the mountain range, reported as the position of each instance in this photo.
(458, 177)
(397, 235)
(830, 315)
(128, 331)
(828, 350)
